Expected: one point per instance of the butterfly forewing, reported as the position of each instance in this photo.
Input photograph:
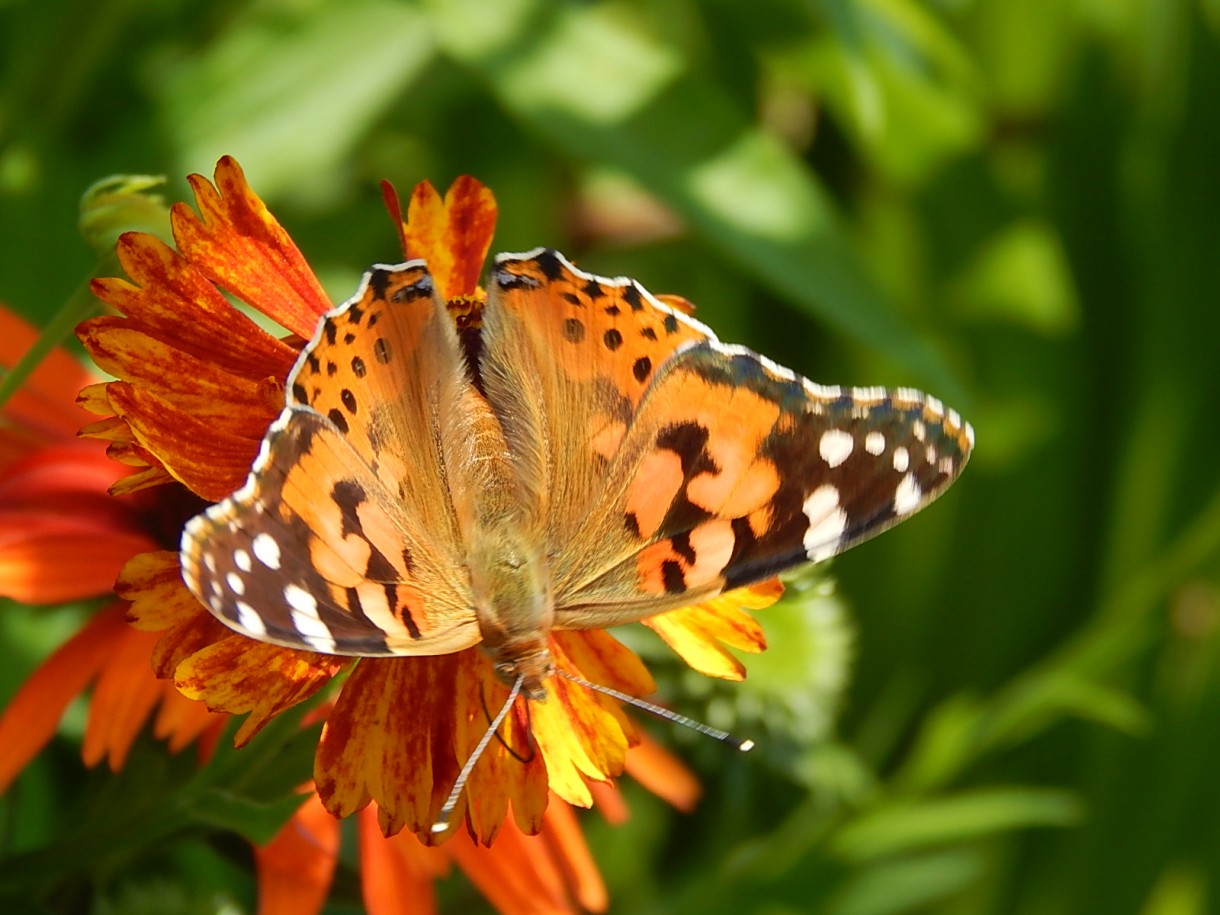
(343, 539)
(566, 358)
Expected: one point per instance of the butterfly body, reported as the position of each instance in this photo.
(602, 459)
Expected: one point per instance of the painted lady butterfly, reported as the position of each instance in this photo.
(590, 457)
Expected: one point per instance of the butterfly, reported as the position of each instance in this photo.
(589, 456)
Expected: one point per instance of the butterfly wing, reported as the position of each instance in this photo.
(734, 469)
(671, 467)
(343, 539)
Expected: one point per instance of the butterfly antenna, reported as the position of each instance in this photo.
(664, 714)
(442, 818)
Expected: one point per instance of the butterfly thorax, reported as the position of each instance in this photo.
(505, 558)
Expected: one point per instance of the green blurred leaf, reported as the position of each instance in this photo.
(906, 884)
(291, 88)
(906, 826)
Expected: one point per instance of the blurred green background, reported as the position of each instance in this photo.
(1006, 705)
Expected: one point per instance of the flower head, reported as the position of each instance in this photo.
(198, 384)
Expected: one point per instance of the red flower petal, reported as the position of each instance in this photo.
(241, 247)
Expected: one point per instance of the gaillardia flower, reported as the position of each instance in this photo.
(199, 383)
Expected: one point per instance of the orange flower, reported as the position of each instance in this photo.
(198, 385)
(64, 538)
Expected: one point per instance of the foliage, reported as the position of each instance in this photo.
(1010, 203)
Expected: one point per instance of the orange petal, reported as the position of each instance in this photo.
(181, 721)
(502, 778)
(568, 848)
(166, 287)
(517, 874)
(33, 550)
(396, 874)
(239, 675)
(123, 699)
(608, 800)
(394, 208)
(241, 247)
(296, 868)
(453, 235)
(144, 479)
(32, 718)
(184, 640)
(378, 744)
(228, 400)
(70, 467)
(208, 461)
(579, 732)
(152, 582)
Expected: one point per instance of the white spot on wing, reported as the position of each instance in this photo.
(306, 621)
(235, 583)
(874, 444)
(249, 620)
(902, 459)
(908, 495)
(241, 559)
(835, 447)
(827, 522)
(267, 550)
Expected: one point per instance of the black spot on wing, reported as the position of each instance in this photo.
(673, 577)
(337, 417)
(632, 296)
(688, 441)
(379, 281)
